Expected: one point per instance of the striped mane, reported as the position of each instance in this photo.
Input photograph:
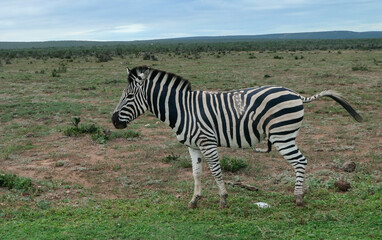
(178, 80)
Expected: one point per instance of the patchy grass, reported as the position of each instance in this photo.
(124, 189)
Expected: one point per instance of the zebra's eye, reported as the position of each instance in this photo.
(130, 95)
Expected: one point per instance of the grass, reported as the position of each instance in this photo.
(97, 133)
(136, 185)
(176, 160)
(158, 215)
(232, 164)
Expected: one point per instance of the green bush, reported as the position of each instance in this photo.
(170, 158)
(73, 131)
(98, 133)
(12, 181)
(360, 68)
(232, 164)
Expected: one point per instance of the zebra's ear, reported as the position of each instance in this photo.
(143, 75)
(128, 71)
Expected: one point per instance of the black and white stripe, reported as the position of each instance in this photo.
(204, 120)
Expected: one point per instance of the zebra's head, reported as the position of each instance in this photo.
(133, 101)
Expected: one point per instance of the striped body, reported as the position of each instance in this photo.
(205, 120)
(240, 118)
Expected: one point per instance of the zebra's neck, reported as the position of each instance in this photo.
(168, 97)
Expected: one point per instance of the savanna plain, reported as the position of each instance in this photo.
(66, 173)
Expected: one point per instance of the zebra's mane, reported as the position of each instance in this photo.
(153, 72)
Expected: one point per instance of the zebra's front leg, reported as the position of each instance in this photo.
(197, 168)
(210, 154)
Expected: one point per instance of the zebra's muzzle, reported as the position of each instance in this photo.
(116, 122)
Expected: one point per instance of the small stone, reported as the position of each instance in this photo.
(342, 185)
(262, 205)
(349, 166)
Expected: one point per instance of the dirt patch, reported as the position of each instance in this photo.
(102, 168)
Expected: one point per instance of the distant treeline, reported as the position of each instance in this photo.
(107, 50)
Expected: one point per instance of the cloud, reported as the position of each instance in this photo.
(132, 28)
(39, 20)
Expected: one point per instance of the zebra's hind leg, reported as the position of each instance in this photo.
(197, 167)
(292, 154)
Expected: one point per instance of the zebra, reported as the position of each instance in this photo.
(204, 121)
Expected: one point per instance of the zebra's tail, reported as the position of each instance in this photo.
(338, 98)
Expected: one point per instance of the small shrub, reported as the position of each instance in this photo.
(103, 57)
(170, 158)
(232, 164)
(98, 134)
(12, 181)
(360, 68)
(59, 163)
(76, 121)
(100, 137)
(185, 163)
(278, 57)
(267, 76)
(146, 56)
(55, 73)
(73, 131)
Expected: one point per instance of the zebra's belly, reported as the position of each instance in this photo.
(242, 138)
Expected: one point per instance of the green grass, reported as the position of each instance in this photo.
(38, 111)
(157, 215)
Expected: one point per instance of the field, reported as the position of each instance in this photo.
(62, 178)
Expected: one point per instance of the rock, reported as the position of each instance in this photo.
(342, 185)
(349, 166)
(262, 205)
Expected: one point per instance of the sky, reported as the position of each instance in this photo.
(109, 20)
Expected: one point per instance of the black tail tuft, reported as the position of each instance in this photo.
(338, 98)
(342, 101)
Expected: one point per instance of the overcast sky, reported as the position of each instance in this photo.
(44, 20)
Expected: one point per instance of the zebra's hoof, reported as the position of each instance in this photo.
(223, 201)
(193, 205)
(223, 206)
(194, 202)
(299, 200)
